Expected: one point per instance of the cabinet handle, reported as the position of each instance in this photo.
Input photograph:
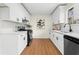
(57, 38)
(49, 33)
(17, 19)
(24, 38)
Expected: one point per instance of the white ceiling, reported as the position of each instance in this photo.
(40, 8)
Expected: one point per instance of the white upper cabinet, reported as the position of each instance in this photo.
(62, 14)
(55, 16)
(59, 15)
(4, 11)
(76, 11)
(25, 13)
(13, 12)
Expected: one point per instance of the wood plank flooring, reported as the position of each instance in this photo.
(41, 47)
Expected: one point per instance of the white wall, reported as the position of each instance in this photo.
(41, 33)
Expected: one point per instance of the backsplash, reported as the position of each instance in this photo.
(75, 27)
(56, 27)
(66, 27)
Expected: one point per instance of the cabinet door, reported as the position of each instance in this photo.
(58, 40)
(61, 43)
(20, 15)
(20, 43)
(12, 11)
(55, 39)
(4, 13)
(25, 39)
(56, 16)
(62, 14)
(8, 44)
(76, 11)
(15, 12)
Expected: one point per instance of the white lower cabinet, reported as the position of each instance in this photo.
(8, 44)
(12, 44)
(22, 43)
(58, 40)
(61, 43)
(55, 39)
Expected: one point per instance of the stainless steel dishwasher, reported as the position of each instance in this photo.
(71, 45)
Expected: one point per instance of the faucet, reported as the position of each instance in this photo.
(70, 28)
(64, 25)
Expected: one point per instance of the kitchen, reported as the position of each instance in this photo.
(22, 23)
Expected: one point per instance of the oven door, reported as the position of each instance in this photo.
(71, 46)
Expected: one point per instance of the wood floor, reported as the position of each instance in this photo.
(41, 47)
